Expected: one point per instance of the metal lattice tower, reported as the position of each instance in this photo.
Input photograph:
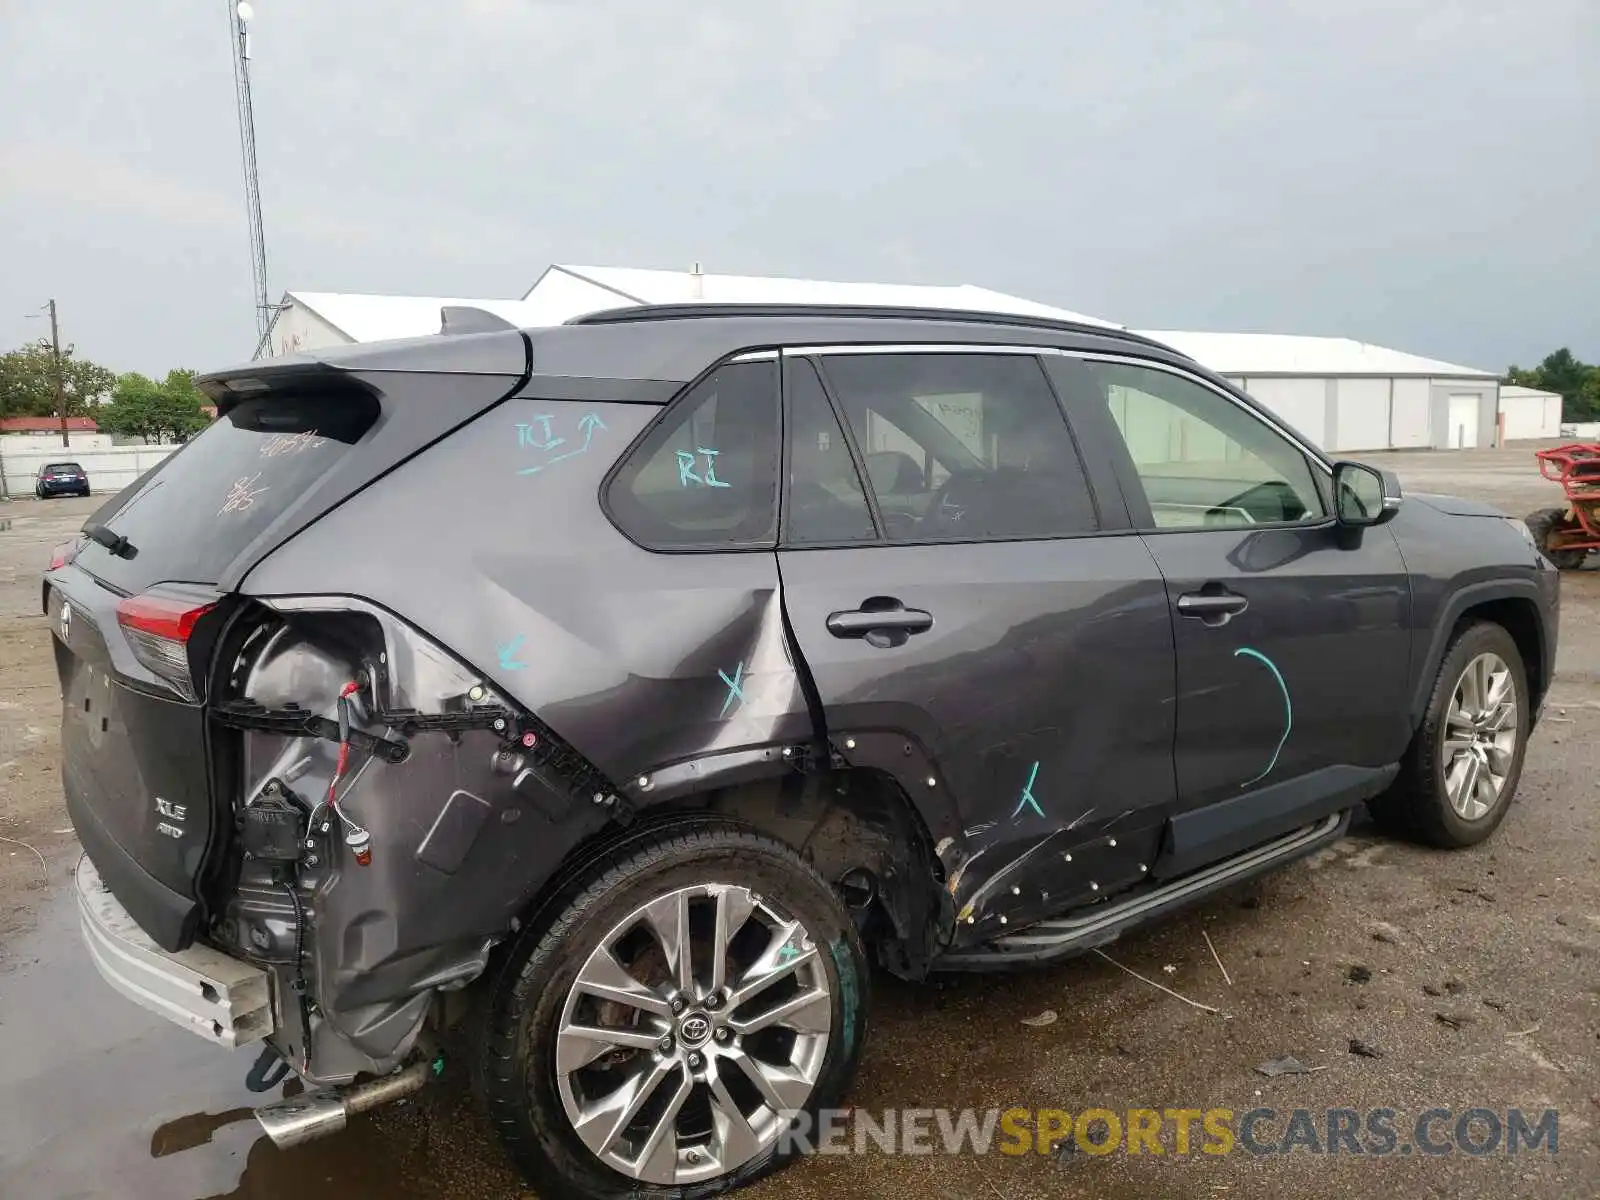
(239, 16)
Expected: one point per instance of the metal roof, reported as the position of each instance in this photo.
(1246, 354)
(368, 318)
(638, 285)
(1513, 391)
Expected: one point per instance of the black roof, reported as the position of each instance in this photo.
(669, 343)
(884, 312)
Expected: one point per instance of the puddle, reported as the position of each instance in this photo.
(99, 1098)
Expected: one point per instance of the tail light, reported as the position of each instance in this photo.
(65, 553)
(158, 629)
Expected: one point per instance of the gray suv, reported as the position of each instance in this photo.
(601, 701)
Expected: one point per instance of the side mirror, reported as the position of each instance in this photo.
(1364, 495)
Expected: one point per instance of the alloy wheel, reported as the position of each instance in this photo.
(1480, 737)
(692, 1033)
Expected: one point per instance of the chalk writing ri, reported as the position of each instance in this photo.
(242, 494)
(540, 436)
(686, 472)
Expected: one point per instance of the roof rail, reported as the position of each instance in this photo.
(672, 312)
(461, 318)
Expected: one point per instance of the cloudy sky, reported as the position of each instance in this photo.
(1421, 173)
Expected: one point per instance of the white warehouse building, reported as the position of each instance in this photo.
(1526, 414)
(1351, 396)
(1346, 396)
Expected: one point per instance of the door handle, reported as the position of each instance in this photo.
(888, 625)
(1212, 607)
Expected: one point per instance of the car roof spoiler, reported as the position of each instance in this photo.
(460, 318)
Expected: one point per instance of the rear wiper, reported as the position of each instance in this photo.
(114, 542)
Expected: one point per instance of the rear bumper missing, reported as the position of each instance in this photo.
(219, 998)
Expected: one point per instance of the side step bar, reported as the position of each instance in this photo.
(1063, 937)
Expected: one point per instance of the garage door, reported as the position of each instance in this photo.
(1464, 420)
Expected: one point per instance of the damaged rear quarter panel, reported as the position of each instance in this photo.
(637, 659)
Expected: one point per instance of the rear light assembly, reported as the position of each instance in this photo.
(158, 629)
(65, 553)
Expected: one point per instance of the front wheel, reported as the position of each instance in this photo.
(659, 1026)
(1461, 771)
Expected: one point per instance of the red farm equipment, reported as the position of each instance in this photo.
(1568, 535)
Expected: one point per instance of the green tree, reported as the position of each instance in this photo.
(160, 412)
(133, 408)
(28, 382)
(180, 405)
(1575, 381)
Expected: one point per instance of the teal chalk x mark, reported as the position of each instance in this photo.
(788, 952)
(1027, 799)
(735, 688)
(589, 423)
(508, 654)
(1288, 709)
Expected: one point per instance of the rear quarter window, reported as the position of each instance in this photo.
(190, 517)
(705, 476)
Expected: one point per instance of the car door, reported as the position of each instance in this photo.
(976, 622)
(1291, 631)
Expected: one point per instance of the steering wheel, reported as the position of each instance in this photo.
(948, 506)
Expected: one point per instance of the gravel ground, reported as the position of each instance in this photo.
(1475, 976)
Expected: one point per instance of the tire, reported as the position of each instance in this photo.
(1419, 805)
(527, 1090)
(1541, 524)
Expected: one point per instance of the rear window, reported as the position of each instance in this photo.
(200, 508)
(63, 469)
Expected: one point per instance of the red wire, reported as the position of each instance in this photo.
(345, 693)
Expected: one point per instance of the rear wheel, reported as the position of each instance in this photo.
(657, 1026)
(1461, 772)
(1541, 525)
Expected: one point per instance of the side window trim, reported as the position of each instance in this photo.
(1138, 502)
(790, 361)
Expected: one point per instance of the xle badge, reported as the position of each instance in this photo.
(174, 812)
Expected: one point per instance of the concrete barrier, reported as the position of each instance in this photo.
(110, 468)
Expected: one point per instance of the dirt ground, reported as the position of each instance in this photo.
(1474, 976)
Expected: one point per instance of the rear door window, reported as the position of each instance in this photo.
(705, 477)
(963, 447)
(199, 509)
(826, 502)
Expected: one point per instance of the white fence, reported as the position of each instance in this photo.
(110, 468)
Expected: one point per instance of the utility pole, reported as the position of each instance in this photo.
(239, 17)
(61, 385)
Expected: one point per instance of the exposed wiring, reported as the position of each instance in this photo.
(356, 837)
(300, 974)
(348, 690)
